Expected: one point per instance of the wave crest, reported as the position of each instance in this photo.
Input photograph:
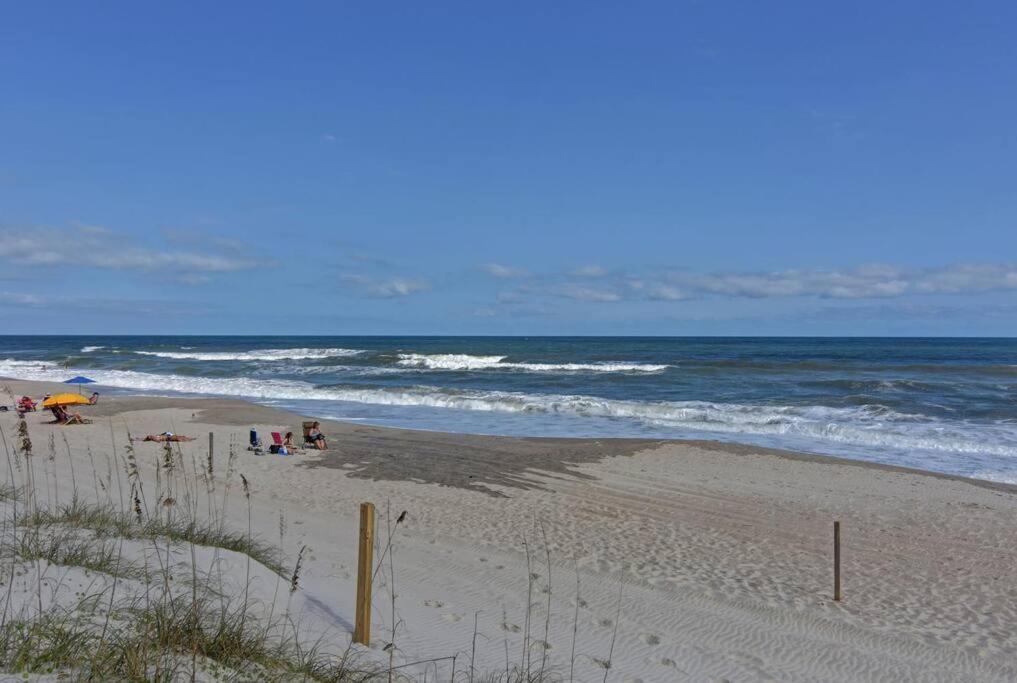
(257, 354)
(459, 361)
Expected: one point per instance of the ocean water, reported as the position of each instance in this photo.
(948, 405)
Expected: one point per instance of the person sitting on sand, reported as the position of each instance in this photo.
(24, 405)
(167, 436)
(288, 442)
(94, 398)
(65, 418)
(315, 437)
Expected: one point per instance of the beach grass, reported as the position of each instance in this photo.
(105, 520)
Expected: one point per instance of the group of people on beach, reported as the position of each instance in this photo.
(313, 435)
(61, 415)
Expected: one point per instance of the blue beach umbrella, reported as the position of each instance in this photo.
(79, 380)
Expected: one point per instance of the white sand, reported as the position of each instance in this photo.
(722, 554)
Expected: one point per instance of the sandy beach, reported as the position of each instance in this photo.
(721, 554)
(651, 342)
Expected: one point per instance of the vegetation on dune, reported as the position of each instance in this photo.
(166, 641)
(106, 520)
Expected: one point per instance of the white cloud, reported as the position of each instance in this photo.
(127, 307)
(873, 281)
(589, 271)
(662, 292)
(512, 296)
(23, 299)
(194, 279)
(503, 271)
(97, 247)
(571, 290)
(863, 282)
(387, 288)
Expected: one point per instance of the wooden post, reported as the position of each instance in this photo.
(836, 561)
(365, 568)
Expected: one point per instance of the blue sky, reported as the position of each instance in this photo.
(509, 168)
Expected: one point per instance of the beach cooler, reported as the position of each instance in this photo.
(255, 443)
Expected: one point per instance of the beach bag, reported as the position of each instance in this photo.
(276, 449)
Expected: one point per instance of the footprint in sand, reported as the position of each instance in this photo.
(511, 628)
(606, 623)
(437, 604)
(452, 618)
(649, 639)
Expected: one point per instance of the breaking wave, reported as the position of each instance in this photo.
(459, 361)
(90, 349)
(257, 354)
(866, 426)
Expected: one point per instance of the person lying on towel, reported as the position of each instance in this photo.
(167, 436)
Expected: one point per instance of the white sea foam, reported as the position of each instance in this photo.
(257, 354)
(12, 367)
(861, 426)
(460, 361)
(1001, 477)
(90, 349)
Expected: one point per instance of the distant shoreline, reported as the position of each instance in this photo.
(242, 412)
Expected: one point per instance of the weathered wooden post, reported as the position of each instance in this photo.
(836, 561)
(365, 568)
